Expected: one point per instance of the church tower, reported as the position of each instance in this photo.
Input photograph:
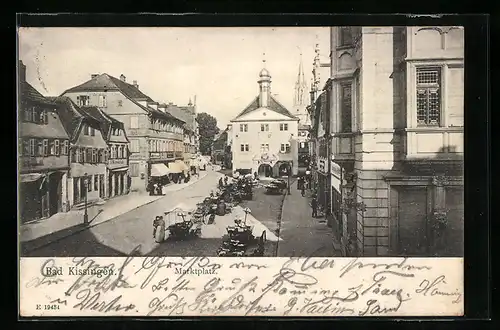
(264, 86)
(301, 96)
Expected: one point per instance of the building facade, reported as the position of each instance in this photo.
(156, 137)
(88, 154)
(43, 160)
(264, 135)
(190, 129)
(320, 138)
(118, 180)
(396, 106)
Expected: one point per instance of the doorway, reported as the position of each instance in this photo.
(265, 170)
(283, 169)
(55, 192)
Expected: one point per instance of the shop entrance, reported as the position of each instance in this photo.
(265, 170)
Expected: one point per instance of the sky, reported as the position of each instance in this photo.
(218, 65)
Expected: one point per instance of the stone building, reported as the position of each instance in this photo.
(43, 154)
(156, 137)
(395, 96)
(264, 135)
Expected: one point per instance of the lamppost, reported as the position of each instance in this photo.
(289, 170)
(85, 214)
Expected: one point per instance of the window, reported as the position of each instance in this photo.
(57, 147)
(94, 156)
(134, 122)
(89, 183)
(74, 155)
(244, 147)
(345, 36)
(134, 145)
(428, 96)
(45, 147)
(120, 103)
(283, 127)
(243, 127)
(285, 147)
(92, 131)
(52, 147)
(86, 129)
(83, 100)
(264, 127)
(102, 101)
(96, 182)
(264, 147)
(88, 155)
(81, 155)
(28, 114)
(247, 148)
(65, 148)
(302, 145)
(113, 152)
(346, 107)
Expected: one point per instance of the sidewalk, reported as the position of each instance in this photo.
(303, 236)
(64, 224)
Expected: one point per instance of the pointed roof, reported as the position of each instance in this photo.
(107, 82)
(273, 105)
(29, 93)
(106, 121)
(69, 114)
(301, 80)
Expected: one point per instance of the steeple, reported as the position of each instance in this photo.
(300, 86)
(264, 85)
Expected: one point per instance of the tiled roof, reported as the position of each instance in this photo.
(70, 117)
(181, 114)
(29, 93)
(106, 82)
(105, 120)
(273, 105)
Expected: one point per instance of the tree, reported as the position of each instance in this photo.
(207, 127)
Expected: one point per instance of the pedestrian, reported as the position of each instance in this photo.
(226, 179)
(302, 191)
(314, 205)
(221, 183)
(299, 183)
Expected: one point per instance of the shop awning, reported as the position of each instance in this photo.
(159, 170)
(182, 165)
(175, 167)
(31, 177)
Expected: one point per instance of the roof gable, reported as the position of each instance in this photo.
(274, 105)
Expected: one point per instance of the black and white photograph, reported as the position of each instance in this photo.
(342, 141)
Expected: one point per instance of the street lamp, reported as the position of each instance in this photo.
(85, 214)
(289, 170)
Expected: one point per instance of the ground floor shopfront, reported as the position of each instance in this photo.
(42, 194)
(267, 165)
(403, 214)
(87, 182)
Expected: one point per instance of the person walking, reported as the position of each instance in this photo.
(314, 206)
(303, 190)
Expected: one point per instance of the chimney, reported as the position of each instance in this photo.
(135, 84)
(123, 78)
(22, 71)
(94, 75)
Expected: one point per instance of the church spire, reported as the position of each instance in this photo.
(300, 86)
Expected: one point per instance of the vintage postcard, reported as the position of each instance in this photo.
(250, 171)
